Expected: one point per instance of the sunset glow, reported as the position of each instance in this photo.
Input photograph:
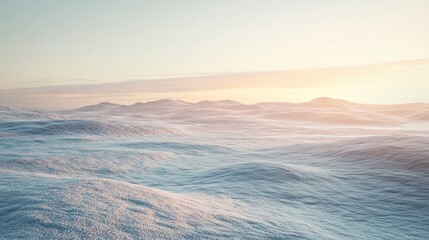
(214, 119)
(378, 47)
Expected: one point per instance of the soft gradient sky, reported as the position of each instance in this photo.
(48, 43)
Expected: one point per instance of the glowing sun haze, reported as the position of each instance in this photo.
(63, 54)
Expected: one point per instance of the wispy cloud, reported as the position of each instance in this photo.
(67, 96)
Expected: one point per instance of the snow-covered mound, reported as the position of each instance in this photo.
(108, 209)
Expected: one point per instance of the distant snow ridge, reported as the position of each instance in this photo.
(100, 106)
(4, 108)
(324, 110)
(7, 113)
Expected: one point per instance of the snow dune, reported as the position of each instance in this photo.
(168, 169)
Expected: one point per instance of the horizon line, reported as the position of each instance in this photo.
(323, 98)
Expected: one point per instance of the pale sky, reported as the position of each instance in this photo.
(50, 43)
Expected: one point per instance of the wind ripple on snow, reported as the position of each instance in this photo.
(90, 127)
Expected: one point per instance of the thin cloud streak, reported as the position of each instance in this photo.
(65, 96)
